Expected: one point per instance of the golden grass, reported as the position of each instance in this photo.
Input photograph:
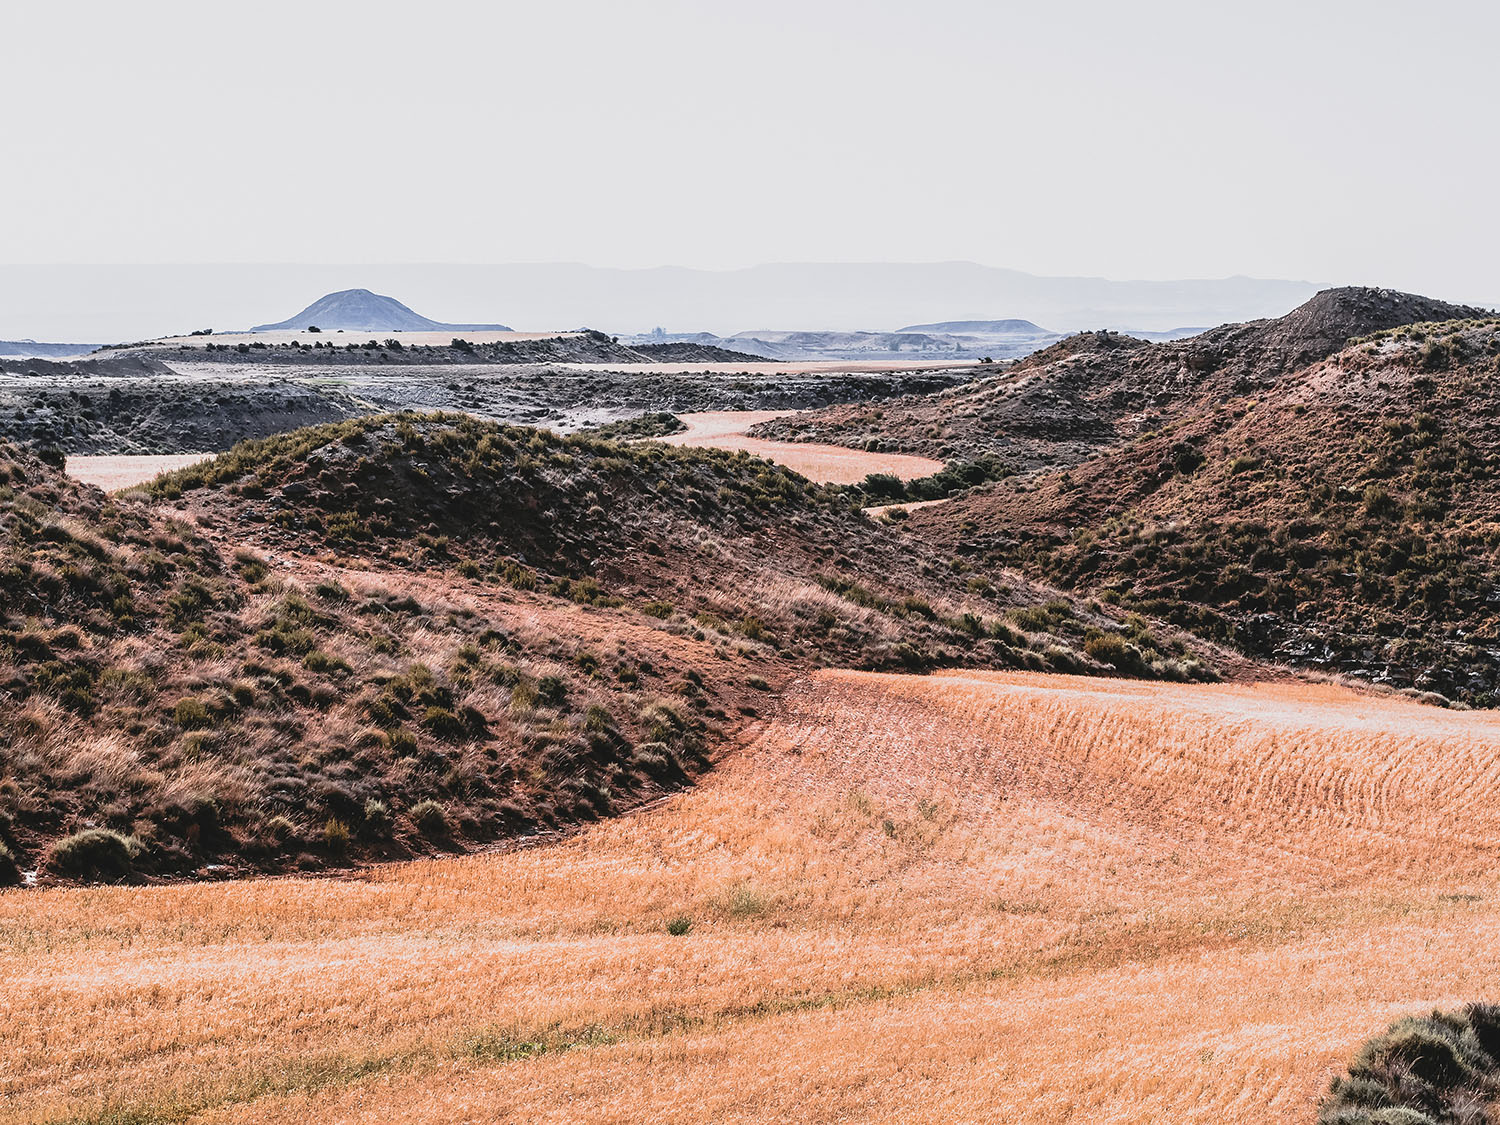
(963, 897)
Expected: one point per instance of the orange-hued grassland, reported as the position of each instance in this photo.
(996, 897)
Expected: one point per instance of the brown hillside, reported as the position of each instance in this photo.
(1345, 517)
(1088, 392)
(407, 633)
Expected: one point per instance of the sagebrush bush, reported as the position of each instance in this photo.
(1430, 1070)
(376, 824)
(94, 854)
(430, 818)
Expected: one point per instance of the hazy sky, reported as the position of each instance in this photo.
(1328, 141)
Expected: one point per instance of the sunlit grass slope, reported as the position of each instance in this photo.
(961, 897)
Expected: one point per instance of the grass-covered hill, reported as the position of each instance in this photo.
(1092, 391)
(1344, 516)
(405, 633)
(176, 704)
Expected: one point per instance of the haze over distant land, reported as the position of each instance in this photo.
(116, 302)
(360, 309)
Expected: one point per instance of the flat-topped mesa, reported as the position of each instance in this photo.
(363, 311)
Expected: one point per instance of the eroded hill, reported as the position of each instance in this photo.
(1343, 516)
(406, 633)
(1091, 391)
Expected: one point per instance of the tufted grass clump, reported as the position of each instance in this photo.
(1422, 1070)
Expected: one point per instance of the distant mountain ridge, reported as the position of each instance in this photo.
(363, 311)
(981, 328)
(922, 347)
(144, 302)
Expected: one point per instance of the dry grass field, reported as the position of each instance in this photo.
(961, 897)
(827, 464)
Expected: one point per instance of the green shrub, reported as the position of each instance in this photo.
(1116, 651)
(252, 568)
(95, 855)
(746, 901)
(680, 925)
(336, 836)
(443, 723)
(552, 691)
(376, 824)
(402, 742)
(322, 662)
(522, 578)
(655, 758)
(883, 486)
(1420, 1071)
(191, 714)
(663, 723)
(430, 818)
(1378, 501)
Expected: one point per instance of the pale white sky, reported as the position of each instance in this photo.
(1331, 141)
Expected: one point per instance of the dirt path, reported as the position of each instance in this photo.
(828, 464)
(974, 896)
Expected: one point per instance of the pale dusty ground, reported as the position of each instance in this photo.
(357, 336)
(723, 429)
(779, 367)
(976, 897)
(829, 464)
(115, 471)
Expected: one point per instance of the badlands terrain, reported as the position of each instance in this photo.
(1100, 736)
